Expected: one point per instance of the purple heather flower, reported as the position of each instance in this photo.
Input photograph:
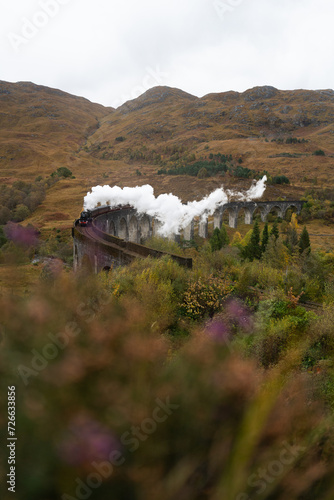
(25, 236)
(239, 314)
(85, 441)
(217, 330)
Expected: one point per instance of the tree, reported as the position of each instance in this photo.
(224, 236)
(5, 215)
(274, 230)
(21, 212)
(255, 241)
(3, 238)
(294, 222)
(265, 238)
(237, 239)
(276, 254)
(216, 241)
(291, 241)
(304, 242)
(64, 172)
(253, 249)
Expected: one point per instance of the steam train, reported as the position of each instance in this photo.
(85, 218)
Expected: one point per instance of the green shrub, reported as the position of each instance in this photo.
(157, 283)
(280, 179)
(64, 172)
(264, 276)
(206, 262)
(164, 245)
(273, 345)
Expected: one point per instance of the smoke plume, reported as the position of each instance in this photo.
(168, 208)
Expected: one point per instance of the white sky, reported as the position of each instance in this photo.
(112, 51)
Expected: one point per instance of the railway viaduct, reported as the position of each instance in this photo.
(115, 236)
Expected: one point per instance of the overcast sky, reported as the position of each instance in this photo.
(112, 51)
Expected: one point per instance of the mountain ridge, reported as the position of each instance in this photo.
(43, 129)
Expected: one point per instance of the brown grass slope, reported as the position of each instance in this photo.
(43, 129)
(241, 124)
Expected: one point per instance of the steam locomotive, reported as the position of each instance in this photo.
(85, 218)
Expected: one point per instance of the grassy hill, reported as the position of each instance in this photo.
(43, 129)
(254, 126)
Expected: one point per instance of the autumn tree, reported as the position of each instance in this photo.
(291, 240)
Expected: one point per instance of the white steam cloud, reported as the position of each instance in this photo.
(168, 208)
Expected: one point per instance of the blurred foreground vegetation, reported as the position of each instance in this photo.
(159, 382)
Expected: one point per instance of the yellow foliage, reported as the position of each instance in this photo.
(246, 239)
(205, 297)
(294, 224)
(237, 239)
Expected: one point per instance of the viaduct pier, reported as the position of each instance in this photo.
(115, 236)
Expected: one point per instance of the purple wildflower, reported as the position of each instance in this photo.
(85, 441)
(239, 315)
(24, 236)
(218, 331)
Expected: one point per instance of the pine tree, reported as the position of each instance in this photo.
(216, 241)
(274, 230)
(253, 249)
(265, 238)
(304, 241)
(255, 241)
(224, 236)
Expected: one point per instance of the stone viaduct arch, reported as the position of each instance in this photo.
(115, 235)
(249, 208)
(112, 239)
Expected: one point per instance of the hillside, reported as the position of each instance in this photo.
(43, 129)
(168, 123)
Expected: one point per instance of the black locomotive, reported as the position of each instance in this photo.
(85, 218)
